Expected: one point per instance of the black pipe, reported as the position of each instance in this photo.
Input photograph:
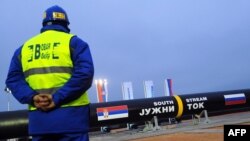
(14, 124)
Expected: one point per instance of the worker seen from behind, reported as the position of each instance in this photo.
(51, 72)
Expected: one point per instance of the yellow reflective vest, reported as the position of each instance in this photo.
(47, 64)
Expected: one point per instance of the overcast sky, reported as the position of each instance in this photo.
(202, 45)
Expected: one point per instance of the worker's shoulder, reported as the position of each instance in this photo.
(76, 41)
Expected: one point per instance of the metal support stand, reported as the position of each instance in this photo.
(157, 127)
(105, 129)
(172, 121)
(131, 126)
(197, 118)
(207, 120)
(149, 125)
(128, 126)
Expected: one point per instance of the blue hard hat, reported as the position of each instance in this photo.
(55, 13)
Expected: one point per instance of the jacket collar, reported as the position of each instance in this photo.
(54, 27)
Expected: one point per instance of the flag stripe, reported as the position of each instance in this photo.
(113, 108)
(236, 98)
(113, 112)
(234, 95)
(99, 89)
(112, 117)
(235, 102)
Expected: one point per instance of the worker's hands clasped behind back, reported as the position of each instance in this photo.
(44, 102)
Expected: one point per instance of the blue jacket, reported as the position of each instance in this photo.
(59, 120)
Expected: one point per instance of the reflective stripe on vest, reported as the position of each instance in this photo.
(47, 64)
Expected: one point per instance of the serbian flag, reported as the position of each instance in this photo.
(235, 99)
(101, 92)
(113, 112)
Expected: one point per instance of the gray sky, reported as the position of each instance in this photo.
(202, 45)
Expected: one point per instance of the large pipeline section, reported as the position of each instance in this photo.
(14, 124)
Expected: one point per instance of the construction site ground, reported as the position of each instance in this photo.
(186, 130)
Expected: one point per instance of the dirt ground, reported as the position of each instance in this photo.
(186, 131)
(210, 134)
(186, 136)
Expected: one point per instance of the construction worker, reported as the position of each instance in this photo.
(51, 72)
